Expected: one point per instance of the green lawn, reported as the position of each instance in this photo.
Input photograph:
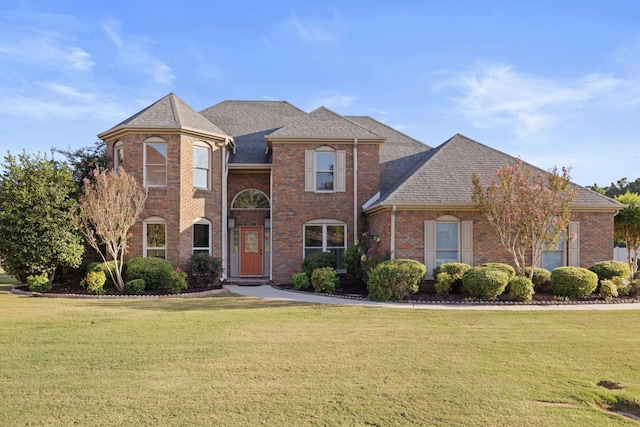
(230, 360)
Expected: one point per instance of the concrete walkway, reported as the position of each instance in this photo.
(269, 292)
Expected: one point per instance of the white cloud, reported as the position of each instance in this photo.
(133, 53)
(332, 100)
(48, 49)
(496, 95)
(311, 30)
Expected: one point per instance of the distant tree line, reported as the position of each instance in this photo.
(619, 188)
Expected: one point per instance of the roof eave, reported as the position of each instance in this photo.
(314, 140)
(469, 207)
(123, 130)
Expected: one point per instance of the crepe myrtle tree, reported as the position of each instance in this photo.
(627, 227)
(36, 235)
(109, 206)
(529, 210)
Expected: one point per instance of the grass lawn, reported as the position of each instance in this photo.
(230, 360)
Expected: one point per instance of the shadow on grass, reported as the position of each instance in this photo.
(216, 302)
(6, 283)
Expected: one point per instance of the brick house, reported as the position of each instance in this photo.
(261, 184)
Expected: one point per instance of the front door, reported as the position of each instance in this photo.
(251, 251)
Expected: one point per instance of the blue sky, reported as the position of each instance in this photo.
(554, 82)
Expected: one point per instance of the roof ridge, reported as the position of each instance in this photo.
(391, 128)
(322, 107)
(174, 108)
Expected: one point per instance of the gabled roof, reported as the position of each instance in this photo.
(443, 178)
(398, 155)
(323, 123)
(168, 113)
(249, 122)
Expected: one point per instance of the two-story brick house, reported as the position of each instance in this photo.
(261, 184)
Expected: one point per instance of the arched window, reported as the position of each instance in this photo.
(250, 199)
(118, 155)
(155, 162)
(202, 236)
(326, 235)
(155, 237)
(201, 165)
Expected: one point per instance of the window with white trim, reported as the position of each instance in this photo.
(155, 237)
(250, 199)
(201, 165)
(447, 241)
(155, 162)
(554, 257)
(326, 236)
(325, 170)
(118, 156)
(202, 236)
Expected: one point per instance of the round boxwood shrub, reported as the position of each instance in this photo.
(540, 275)
(101, 266)
(318, 260)
(521, 288)
(573, 282)
(395, 279)
(325, 280)
(444, 281)
(608, 289)
(300, 281)
(134, 287)
(609, 269)
(453, 269)
(155, 272)
(485, 282)
(94, 281)
(205, 269)
(39, 283)
(511, 272)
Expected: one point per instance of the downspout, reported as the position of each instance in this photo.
(392, 247)
(355, 190)
(272, 222)
(225, 176)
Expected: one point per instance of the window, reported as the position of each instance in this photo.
(202, 236)
(250, 199)
(554, 257)
(155, 238)
(118, 156)
(155, 162)
(201, 166)
(447, 242)
(325, 170)
(325, 236)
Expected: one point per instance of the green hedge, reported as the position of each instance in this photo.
(101, 266)
(521, 288)
(155, 272)
(573, 282)
(300, 281)
(395, 279)
(318, 260)
(609, 269)
(325, 280)
(511, 272)
(485, 282)
(540, 275)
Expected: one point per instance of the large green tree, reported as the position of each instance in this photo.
(627, 227)
(529, 210)
(36, 232)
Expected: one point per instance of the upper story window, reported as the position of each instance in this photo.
(118, 156)
(155, 237)
(202, 236)
(250, 199)
(201, 165)
(325, 170)
(155, 162)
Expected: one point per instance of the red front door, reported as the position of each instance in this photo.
(251, 251)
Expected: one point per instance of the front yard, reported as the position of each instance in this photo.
(229, 360)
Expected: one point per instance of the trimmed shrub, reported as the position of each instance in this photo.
(541, 276)
(100, 266)
(608, 289)
(155, 272)
(318, 260)
(573, 282)
(521, 288)
(205, 269)
(363, 257)
(485, 282)
(94, 282)
(455, 270)
(178, 281)
(609, 269)
(511, 272)
(622, 285)
(395, 279)
(300, 281)
(134, 287)
(444, 281)
(39, 283)
(325, 280)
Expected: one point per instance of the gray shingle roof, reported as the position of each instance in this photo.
(249, 122)
(169, 112)
(443, 177)
(398, 155)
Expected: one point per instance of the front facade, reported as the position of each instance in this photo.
(261, 184)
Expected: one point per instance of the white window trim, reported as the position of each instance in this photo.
(339, 172)
(202, 221)
(154, 140)
(449, 219)
(250, 189)
(153, 220)
(324, 223)
(205, 146)
(117, 160)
